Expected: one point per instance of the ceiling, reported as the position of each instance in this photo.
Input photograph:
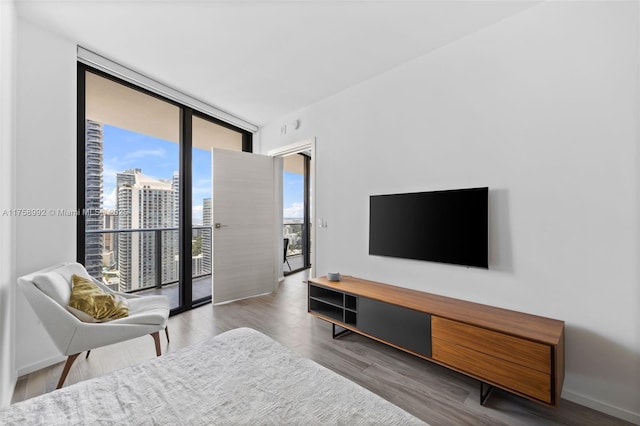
(260, 60)
(120, 106)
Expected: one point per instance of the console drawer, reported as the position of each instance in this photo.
(518, 378)
(519, 351)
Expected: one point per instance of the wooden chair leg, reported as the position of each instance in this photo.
(166, 331)
(156, 338)
(67, 367)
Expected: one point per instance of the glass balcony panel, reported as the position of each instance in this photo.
(131, 261)
(293, 231)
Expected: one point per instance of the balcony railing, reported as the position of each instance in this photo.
(293, 231)
(131, 260)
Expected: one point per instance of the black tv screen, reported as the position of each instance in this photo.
(440, 226)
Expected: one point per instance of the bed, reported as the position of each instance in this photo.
(238, 377)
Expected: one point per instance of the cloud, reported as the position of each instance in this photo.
(196, 215)
(109, 173)
(141, 153)
(201, 186)
(110, 199)
(296, 210)
(202, 190)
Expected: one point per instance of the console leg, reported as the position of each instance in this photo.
(484, 394)
(340, 333)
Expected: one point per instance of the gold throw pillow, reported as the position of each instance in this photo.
(87, 297)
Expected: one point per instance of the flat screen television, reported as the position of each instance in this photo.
(440, 226)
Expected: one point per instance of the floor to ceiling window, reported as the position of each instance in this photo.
(144, 196)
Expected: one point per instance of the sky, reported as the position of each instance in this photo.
(293, 196)
(124, 149)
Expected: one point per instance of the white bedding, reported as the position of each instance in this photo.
(238, 377)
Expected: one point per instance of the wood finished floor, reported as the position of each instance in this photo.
(428, 391)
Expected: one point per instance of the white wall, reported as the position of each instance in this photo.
(8, 42)
(543, 109)
(45, 173)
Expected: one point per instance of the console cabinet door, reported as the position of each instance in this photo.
(513, 363)
(400, 326)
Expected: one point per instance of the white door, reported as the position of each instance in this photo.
(245, 227)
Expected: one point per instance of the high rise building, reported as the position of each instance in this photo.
(124, 240)
(207, 221)
(147, 203)
(109, 240)
(110, 272)
(175, 235)
(93, 198)
(175, 185)
(127, 177)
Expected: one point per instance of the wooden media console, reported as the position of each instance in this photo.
(520, 353)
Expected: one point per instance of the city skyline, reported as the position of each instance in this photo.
(135, 173)
(159, 159)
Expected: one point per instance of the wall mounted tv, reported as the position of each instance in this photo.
(440, 226)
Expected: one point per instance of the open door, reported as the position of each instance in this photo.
(245, 193)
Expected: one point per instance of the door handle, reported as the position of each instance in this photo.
(219, 225)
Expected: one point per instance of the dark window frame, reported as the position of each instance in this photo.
(185, 171)
(306, 223)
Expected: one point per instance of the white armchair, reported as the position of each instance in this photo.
(48, 292)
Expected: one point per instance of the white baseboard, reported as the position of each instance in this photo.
(41, 364)
(6, 394)
(603, 407)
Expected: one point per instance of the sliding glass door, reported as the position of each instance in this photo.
(144, 189)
